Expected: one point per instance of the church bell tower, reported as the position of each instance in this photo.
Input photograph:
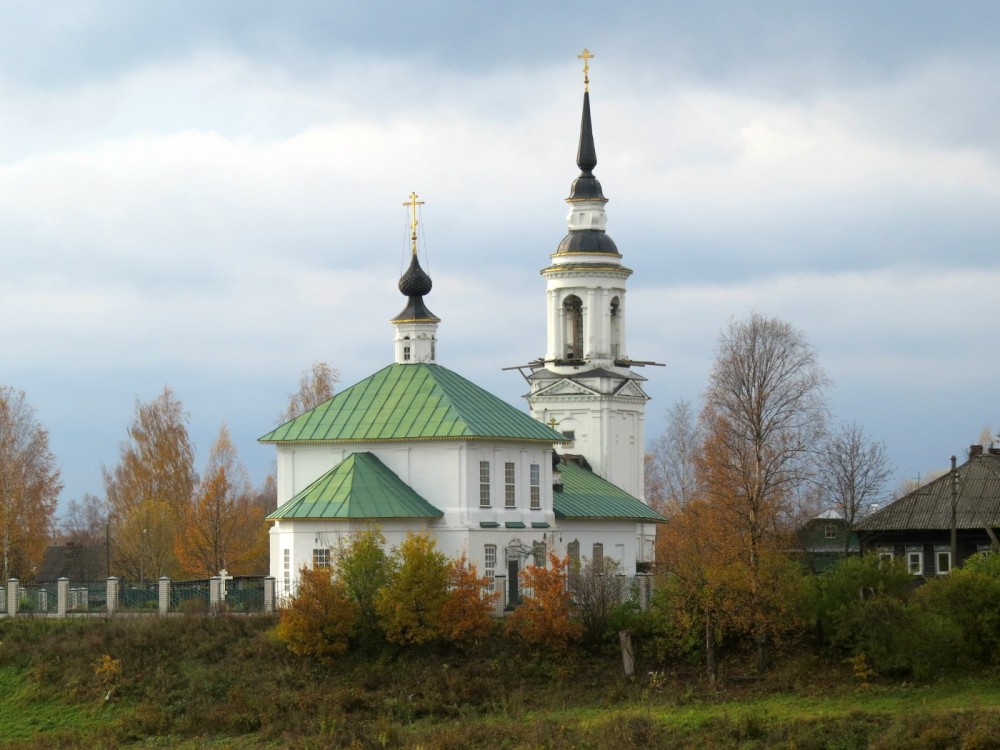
(585, 386)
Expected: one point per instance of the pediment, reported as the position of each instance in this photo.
(565, 387)
(631, 389)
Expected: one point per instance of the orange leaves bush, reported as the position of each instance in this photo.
(321, 618)
(467, 615)
(544, 618)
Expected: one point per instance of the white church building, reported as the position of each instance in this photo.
(416, 447)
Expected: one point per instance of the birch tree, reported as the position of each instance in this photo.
(29, 486)
(764, 421)
(853, 474)
(316, 385)
(672, 479)
(150, 489)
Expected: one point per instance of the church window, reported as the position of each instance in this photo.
(536, 486)
(598, 561)
(484, 484)
(573, 553)
(509, 485)
(406, 348)
(538, 550)
(321, 558)
(490, 563)
(573, 308)
(616, 328)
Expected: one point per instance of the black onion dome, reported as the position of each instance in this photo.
(588, 241)
(586, 186)
(415, 282)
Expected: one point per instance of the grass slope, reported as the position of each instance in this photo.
(200, 682)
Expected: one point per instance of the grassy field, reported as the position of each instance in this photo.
(227, 683)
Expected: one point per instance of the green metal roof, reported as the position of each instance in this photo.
(360, 486)
(412, 402)
(586, 495)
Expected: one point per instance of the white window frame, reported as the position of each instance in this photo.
(938, 553)
(484, 484)
(509, 485)
(915, 555)
(490, 565)
(830, 530)
(535, 487)
(540, 553)
(322, 557)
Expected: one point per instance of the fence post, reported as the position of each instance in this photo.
(62, 590)
(500, 585)
(111, 598)
(643, 580)
(164, 595)
(214, 594)
(269, 584)
(13, 596)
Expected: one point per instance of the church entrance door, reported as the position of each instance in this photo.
(513, 597)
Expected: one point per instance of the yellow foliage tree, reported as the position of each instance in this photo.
(223, 528)
(29, 486)
(410, 606)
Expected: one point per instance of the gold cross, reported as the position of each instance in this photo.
(553, 422)
(413, 203)
(586, 57)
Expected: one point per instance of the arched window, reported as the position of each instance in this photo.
(406, 348)
(616, 327)
(573, 308)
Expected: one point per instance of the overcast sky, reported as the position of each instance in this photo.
(209, 196)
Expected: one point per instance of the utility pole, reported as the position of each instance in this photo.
(954, 514)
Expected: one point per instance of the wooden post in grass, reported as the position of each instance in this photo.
(628, 659)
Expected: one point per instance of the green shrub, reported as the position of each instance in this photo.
(842, 590)
(409, 606)
(970, 600)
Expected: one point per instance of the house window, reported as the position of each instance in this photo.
(598, 558)
(885, 556)
(287, 567)
(321, 558)
(536, 487)
(831, 531)
(508, 485)
(538, 548)
(942, 560)
(915, 561)
(573, 553)
(490, 564)
(484, 484)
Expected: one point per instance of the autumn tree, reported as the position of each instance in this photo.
(83, 529)
(363, 565)
(544, 618)
(467, 613)
(266, 496)
(853, 473)
(29, 486)
(150, 489)
(763, 419)
(316, 385)
(321, 617)
(223, 528)
(672, 479)
(410, 605)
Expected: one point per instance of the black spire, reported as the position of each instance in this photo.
(586, 187)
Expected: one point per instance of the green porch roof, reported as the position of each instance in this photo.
(412, 402)
(358, 487)
(586, 495)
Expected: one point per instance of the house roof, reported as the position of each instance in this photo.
(419, 401)
(585, 495)
(358, 487)
(929, 507)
